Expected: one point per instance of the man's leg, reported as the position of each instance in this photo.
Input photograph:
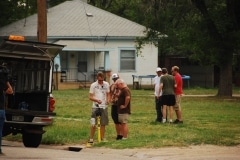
(170, 114)
(2, 119)
(92, 132)
(118, 130)
(158, 110)
(178, 110)
(164, 113)
(125, 130)
(102, 131)
(123, 119)
(104, 122)
(114, 115)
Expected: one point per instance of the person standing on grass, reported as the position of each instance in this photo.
(114, 91)
(6, 88)
(158, 104)
(99, 93)
(178, 94)
(167, 86)
(124, 106)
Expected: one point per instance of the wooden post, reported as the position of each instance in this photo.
(42, 21)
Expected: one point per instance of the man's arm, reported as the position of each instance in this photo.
(108, 98)
(91, 97)
(175, 83)
(160, 89)
(127, 100)
(9, 89)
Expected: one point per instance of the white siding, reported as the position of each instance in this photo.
(146, 63)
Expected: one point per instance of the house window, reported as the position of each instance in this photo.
(127, 60)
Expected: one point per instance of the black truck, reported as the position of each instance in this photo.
(29, 66)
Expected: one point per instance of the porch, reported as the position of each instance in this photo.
(72, 78)
(62, 81)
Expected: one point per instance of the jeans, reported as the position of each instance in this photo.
(2, 119)
(158, 109)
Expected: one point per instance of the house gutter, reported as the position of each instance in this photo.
(90, 38)
(53, 39)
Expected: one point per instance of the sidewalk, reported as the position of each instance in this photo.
(15, 150)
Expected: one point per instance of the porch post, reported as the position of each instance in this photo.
(107, 66)
(56, 66)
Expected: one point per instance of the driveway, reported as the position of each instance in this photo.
(15, 150)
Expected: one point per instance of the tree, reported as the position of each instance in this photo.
(222, 23)
(205, 31)
(13, 10)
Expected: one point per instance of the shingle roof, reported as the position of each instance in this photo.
(70, 19)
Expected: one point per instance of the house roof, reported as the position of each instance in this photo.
(83, 45)
(76, 19)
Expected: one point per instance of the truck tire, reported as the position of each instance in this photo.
(31, 139)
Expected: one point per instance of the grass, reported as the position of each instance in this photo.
(207, 120)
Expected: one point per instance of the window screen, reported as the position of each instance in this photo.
(127, 60)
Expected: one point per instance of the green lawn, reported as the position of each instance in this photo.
(207, 120)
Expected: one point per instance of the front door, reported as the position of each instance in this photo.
(82, 67)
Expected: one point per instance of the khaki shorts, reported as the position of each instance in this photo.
(177, 105)
(104, 115)
(123, 118)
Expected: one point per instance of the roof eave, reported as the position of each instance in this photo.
(93, 37)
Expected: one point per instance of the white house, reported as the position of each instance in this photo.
(95, 40)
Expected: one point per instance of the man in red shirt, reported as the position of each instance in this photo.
(178, 93)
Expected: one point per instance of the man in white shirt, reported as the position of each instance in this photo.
(158, 104)
(99, 93)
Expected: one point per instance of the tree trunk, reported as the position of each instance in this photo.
(225, 83)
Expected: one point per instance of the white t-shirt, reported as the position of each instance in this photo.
(99, 92)
(156, 82)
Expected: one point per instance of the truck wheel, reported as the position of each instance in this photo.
(31, 140)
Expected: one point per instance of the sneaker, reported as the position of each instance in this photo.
(178, 122)
(89, 144)
(124, 138)
(119, 137)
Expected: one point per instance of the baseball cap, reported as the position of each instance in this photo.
(158, 69)
(115, 76)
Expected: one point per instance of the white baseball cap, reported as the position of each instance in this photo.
(158, 69)
(115, 76)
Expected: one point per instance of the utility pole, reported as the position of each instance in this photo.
(42, 21)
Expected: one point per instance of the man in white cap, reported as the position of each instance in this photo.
(158, 104)
(114, 92)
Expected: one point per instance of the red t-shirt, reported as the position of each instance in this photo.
(179, 82)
